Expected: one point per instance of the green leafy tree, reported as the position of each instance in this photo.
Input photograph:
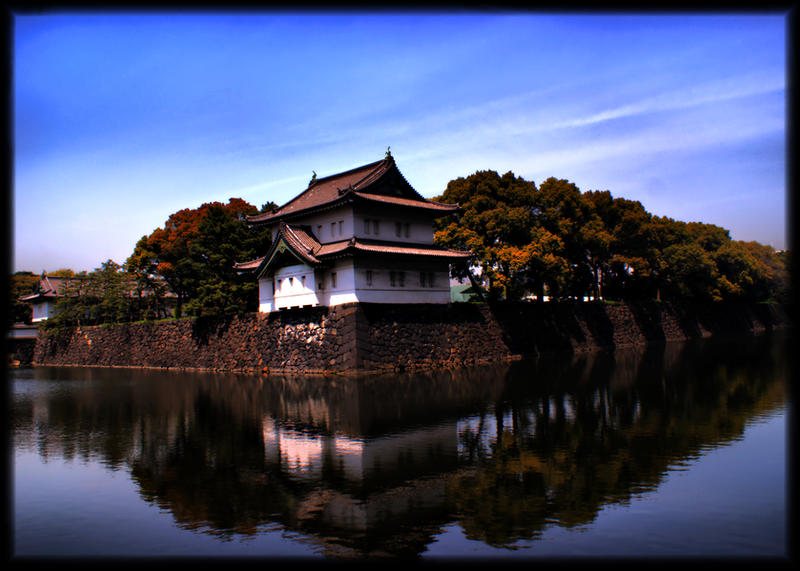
(625, 249)
(769, 271)
(569, 244)
(689, 272)
(20, 284)
(498, 224)
(65, 273)
(194, 253)
(566, 213)
(665, 235)
(111, 286)
(149, 290)
(596, 240)
(223, 239)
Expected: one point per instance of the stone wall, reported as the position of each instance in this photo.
(396, 337)
(312, 340)
(400, 337)
(533, 329)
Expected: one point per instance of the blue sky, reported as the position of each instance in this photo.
(122, 119)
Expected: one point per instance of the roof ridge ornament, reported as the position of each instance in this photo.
(388, 152)
(313, 179)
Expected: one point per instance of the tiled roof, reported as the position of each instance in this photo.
(415, 250)
(250, 265)
(381, 247)
(48, 287)
(361, 183)
(301, 242)
(428, 204)
(321, 191)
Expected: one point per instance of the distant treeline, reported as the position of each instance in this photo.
(558, 242)
(527, 242)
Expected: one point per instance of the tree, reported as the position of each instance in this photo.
(498, 224)
(689, 272)
(111, 285)
(767, 270)
(74, 307)
(625, 250)
(222, 240)
(149, 289)
(20, 284)
(194, 253)
(566, 213)
(569, 244)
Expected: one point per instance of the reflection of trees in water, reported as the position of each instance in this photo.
(569, 439)
(506, 452)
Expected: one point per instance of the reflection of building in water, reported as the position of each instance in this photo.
(300, 453)
(368, 482)
(304, 453)
(367, 468)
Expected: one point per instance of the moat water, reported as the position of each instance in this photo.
(677, 450)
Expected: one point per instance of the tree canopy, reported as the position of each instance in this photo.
(20, 284)
(557, 241)
(194, 252)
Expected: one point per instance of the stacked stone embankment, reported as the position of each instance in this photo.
(378, 337)
(305, 340)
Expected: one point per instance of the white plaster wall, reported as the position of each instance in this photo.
(295, 286)
(266, 301)
(420, 231)
(399, 295)
(42, 311)
(321, 224)
(29, 332)
(344, 292)
(382, 291)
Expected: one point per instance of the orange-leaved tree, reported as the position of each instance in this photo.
(194, 253)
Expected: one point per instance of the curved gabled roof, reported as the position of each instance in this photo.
(49, 287)
(250, 265)
(298, 241)
(380, 182)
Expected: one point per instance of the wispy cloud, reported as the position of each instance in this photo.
(713, 92)
(515, 127)
(510, 121)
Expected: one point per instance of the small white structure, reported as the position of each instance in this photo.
(43, 300)
(364, 235)
(22, 331)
